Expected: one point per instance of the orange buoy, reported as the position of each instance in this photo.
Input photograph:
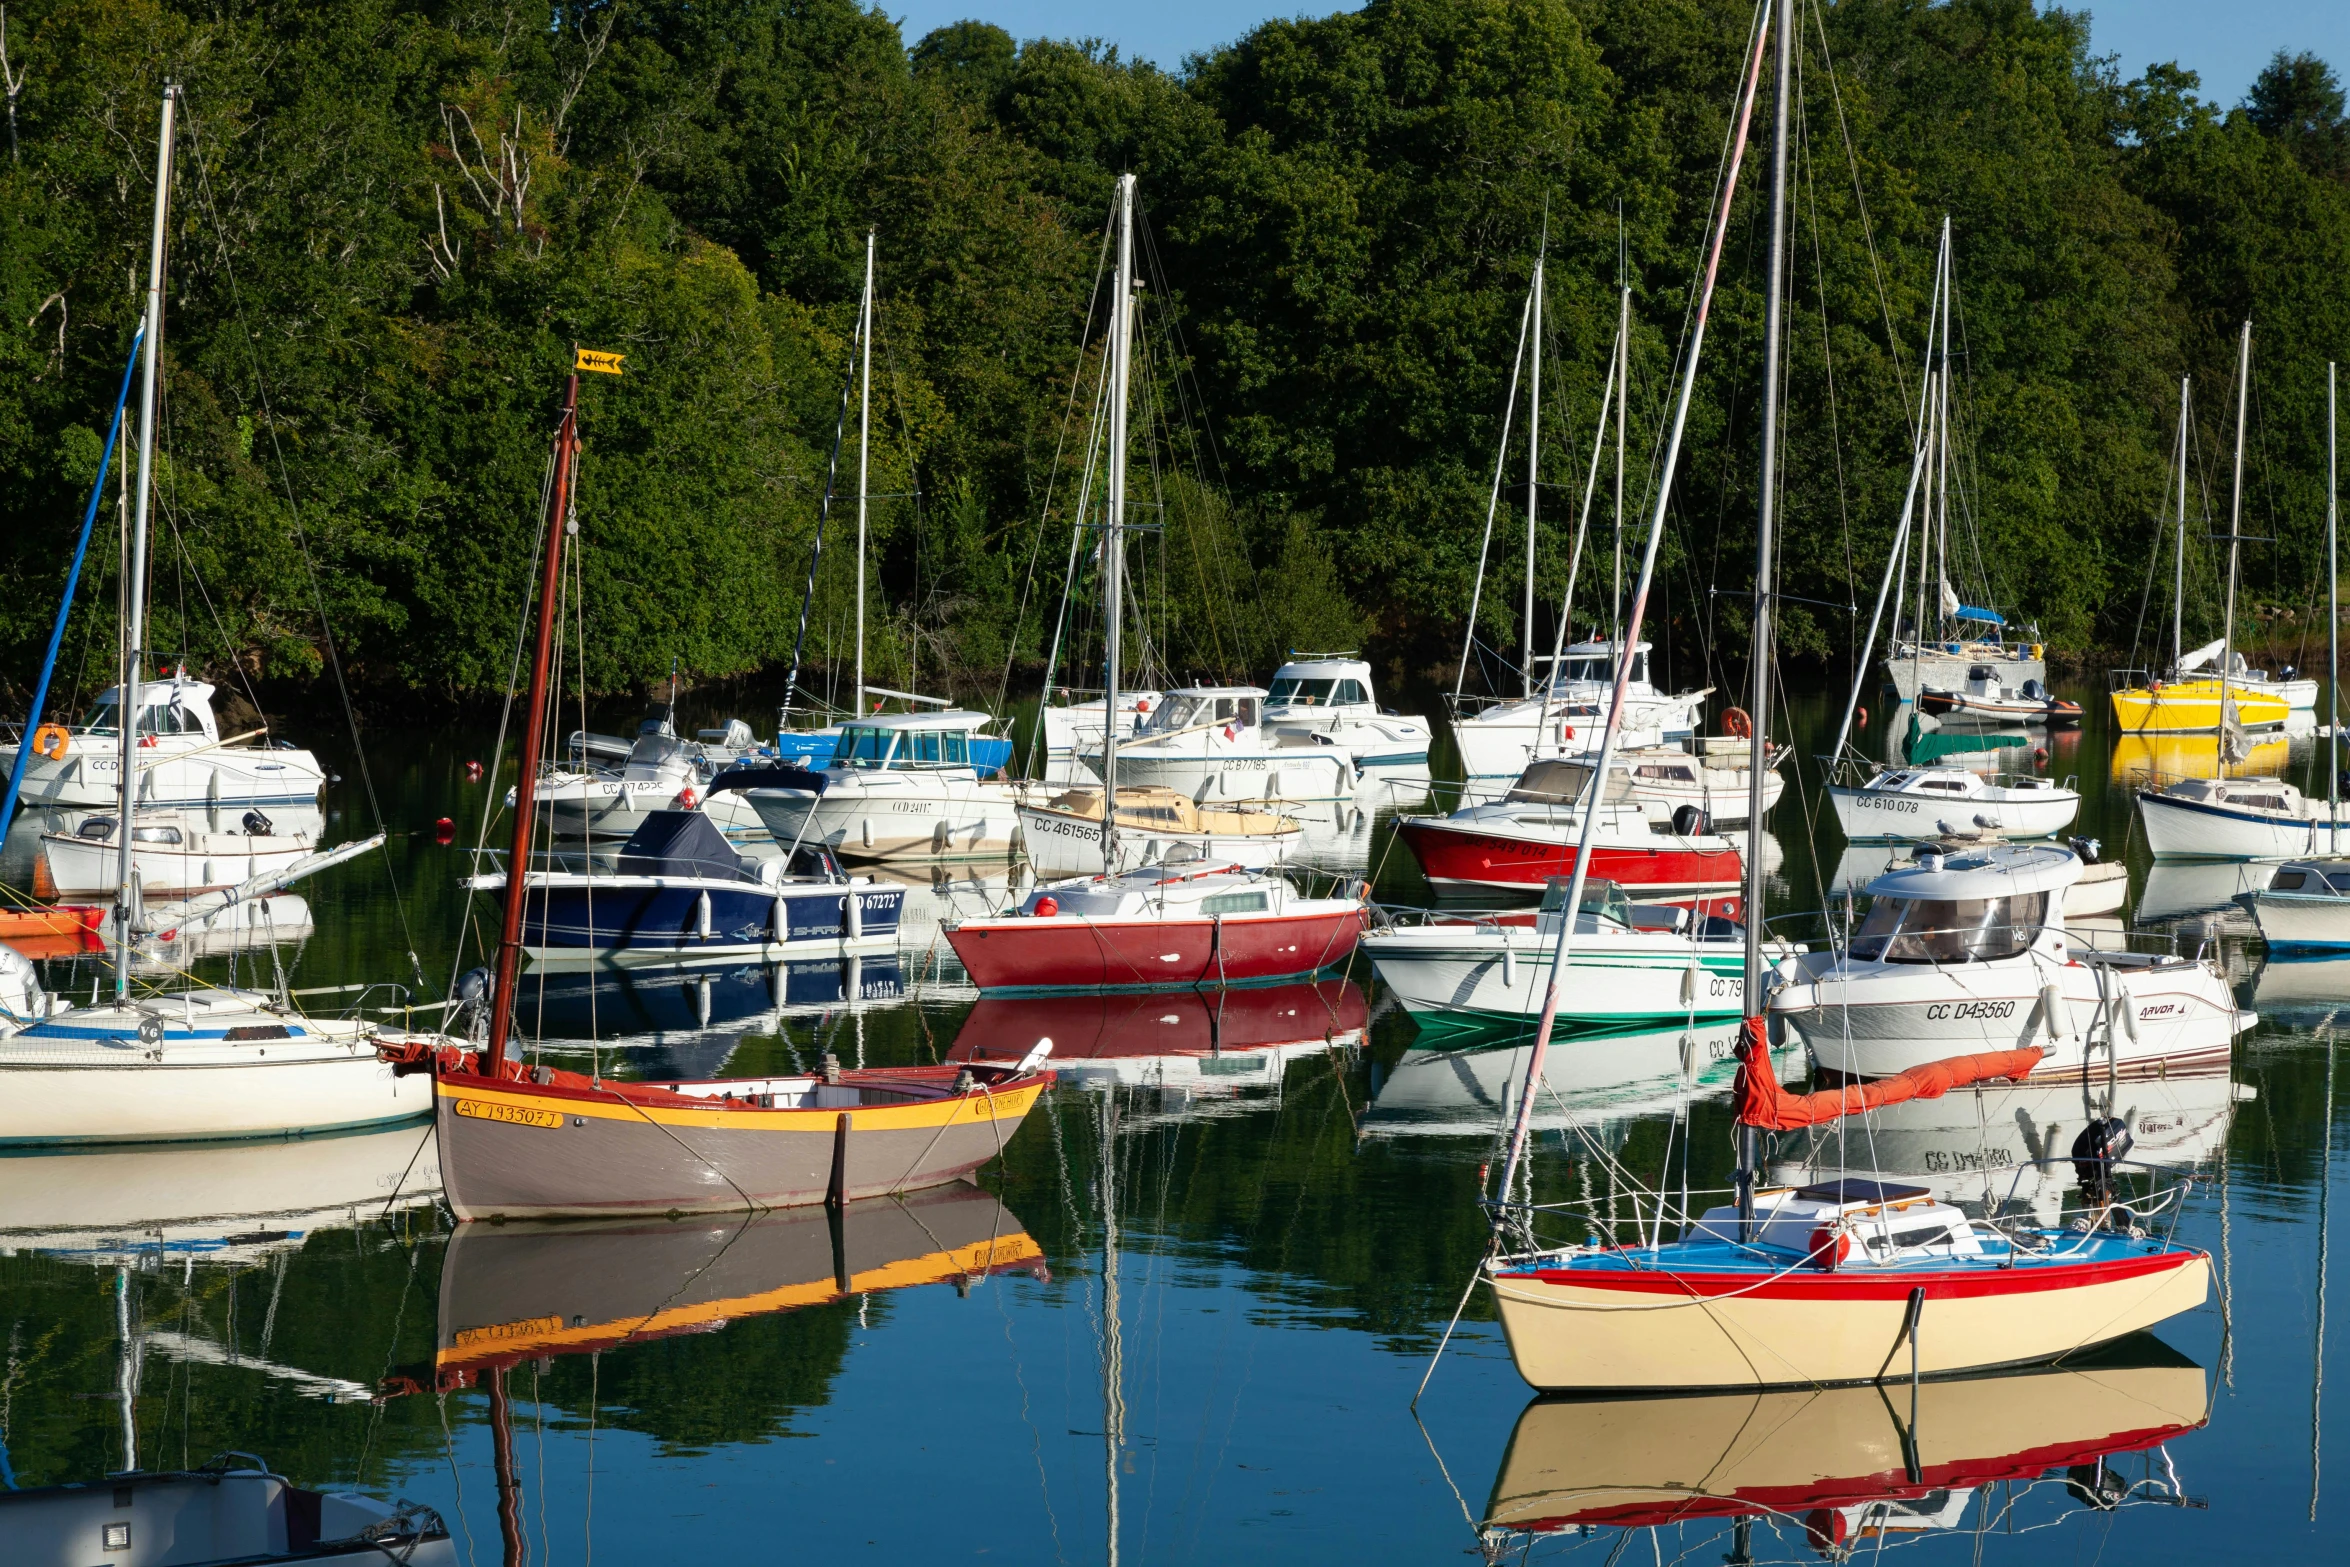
(1738, 723)
(52, 741)
(1863, 715)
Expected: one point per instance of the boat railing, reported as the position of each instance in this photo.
(394, 997)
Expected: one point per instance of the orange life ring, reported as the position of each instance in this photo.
(1738, 724)
(52, 741)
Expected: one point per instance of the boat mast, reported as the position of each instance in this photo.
(1534, 457)
(1948, 600)
(2178, 600)
(1592, 803)
(559, 526)
(1615, 606)
(2333, 642)
(1501, 453)
(1114, 529)
(2227, 637)
(134, 583)
(864, 456)
(1759, 701)
(1558, 641)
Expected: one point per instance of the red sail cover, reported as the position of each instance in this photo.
(1762, 1102)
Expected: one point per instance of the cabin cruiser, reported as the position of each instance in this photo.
(2304, 908)
(1215, 743)
(1984, 695)
(2237, 819)
(900, 786)
(1534, 833)
(173, 855)
(1325, 699)
(1969, 952)
(1631, 964)
(183, 760)
(680, 891)
(1498, 741)
(1939, 802)
(659, 770)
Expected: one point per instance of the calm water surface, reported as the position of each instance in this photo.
(1182, 1321)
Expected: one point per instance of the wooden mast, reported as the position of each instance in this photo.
(526, 778)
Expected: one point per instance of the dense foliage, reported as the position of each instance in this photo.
(394, 217)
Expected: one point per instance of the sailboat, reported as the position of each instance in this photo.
(1191, 918)
(2235, 819)
(537, 1141)
(1826, 1283)
(200, 1062)
(2193, 701)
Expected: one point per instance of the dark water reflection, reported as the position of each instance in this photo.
(1183, 1321)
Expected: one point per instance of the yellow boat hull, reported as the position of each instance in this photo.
(2187, 706)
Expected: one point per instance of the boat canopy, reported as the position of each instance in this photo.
(1986, 616)
(1553, 781)
(171, 705)
(1999, 870)
(908, 740)
(683, 844)
(1594, 663)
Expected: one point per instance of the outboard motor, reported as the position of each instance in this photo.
(2102, 1143)
(2087, 848)
(473, 1011)
(1690, 821)
(258, 825)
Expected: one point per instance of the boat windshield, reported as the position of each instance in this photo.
(1605, 899)
(1291, 691)
(1950, 930)
(169, 720)
(1184, 710)
(1598, 669)
(862, 746)
(651, 751)
(2312, 878)
(934, 748)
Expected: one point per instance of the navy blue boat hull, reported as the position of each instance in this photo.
(626, 914)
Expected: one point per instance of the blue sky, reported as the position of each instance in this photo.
(2226, 40)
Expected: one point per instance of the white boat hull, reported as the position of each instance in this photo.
(897, 816)
(1470, 974)
(2179, 829)
(210, 862)
(2304, 921)
(1059, 843)
(589, 807)
(1211, 773)
(68, 1091)
(1879, 815)
(176, 770)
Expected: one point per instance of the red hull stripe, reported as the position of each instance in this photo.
(1066, 952)
(1886, 1485)
(1450, 854)
(1888, 1284)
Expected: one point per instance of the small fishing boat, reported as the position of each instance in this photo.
(1062, 835)
(172, 855)
(1633, 966)
(680, 890)
(1215, 743)
(1969, 952)
(900, 786)
(1326, 699)
(1530, 835)
(184, 760)
(1917, 803)
(1836, 1468)
(1178, 923)
(2305, 907)
(1984, 695)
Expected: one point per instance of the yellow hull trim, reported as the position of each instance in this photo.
(520, 1104)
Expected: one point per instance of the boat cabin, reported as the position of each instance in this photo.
(1870, 1224)
(2314, 878)
(1979, 906)
(908, 742)
(1555, 781)
(1592, 665)
(2240, 794)
(1313, 684)
(1197, 707)
(171, 705)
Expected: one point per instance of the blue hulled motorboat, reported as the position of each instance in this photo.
(680, 890)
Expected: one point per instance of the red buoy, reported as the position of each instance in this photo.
(444, 831)
(687, 799)
(1863, 715)
(473, 769)
(1047, 906)
(1828, 1248)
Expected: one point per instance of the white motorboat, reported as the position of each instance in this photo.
(1213, 743)
(1631, 966)
(1073, 732)
(1062, 833)
(1969, 953)
(1715, 780)
(901, 786)
(171, 854)
(2304, 908)
(661, 772)
(1325, 699)
(1497, 742)
(183, 759)
(1918, 803)
(2239, 819)
(1983, 695)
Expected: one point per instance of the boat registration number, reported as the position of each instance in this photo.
(513, 1115)
(504, 1332)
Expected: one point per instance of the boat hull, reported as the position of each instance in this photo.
(1913, 673)
(91, 867)
(1476, 978)
(1064, 843)
(2180, 829)
(1067, 953)
(1882, 815)
(80, 1097)
(665, 915)
(1205, 771)
(2300, 922)
(896, 820)
(2190, 705)
(617, 807)
(176, 771)
(1452, 856)
(1571, 1330)
(522, 1150)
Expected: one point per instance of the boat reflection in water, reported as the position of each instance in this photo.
(2153, 760)
(2001, 1143)
(691, 1011)
(2198, 897)
(2311, 992)
(517, 1291)
(1200, 1042)
(227, 1202)
(1828, 1468)
(1471, 1085)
